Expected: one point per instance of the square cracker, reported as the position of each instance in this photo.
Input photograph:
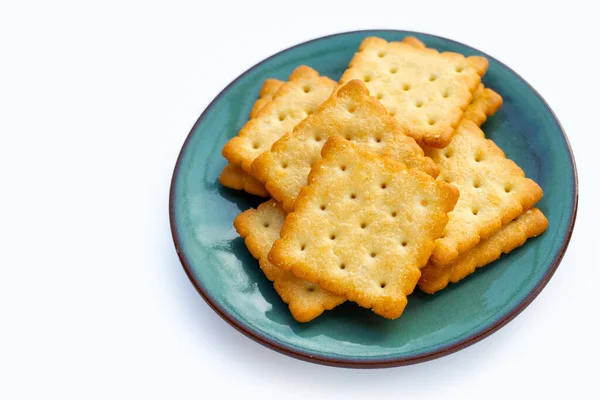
(485, 101)
(350, 113)
(235, 177)
(529, 224)
(260, 228)
(427, 91)
(493, 191)
(296, 99)
(364, 226)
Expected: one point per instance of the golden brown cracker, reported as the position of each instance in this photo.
(364, 226)
(529, 224)
(269, 88)
(485, 101)
(350, 113)
(296, 99)
(493, 191)
(234, 177)
(427, 91)
(260, 228)
(485, 104)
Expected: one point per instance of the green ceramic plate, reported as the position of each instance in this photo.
(230, 280)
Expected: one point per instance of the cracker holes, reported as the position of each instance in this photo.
(381, 54)
(393, 70)
(394, 214)
(447, 153)
(373, 255)
(459, 69)
(332, 236)
(475, 210)
(419, 104)
(318, 138)
(478, 156)
(363, 225)
(392, 113)
(447, 179)
(306, 89)
(379, 96)
(348, 137)
(378, 139)
(353, 196)
(404, 243)
(343, 167)
(310, 289)
(445, 94)
(382, 285)
(432, 78)
(342, 266)
(302, 247)
(406, 87)
(507, 188)
(281, 116)
(431, 121)
(323, 207)
(477, 184)
(424, 203)
(352, 109)
(255, 145)
(284, 165)
(367, 78)
(266, 224)
(383, 185)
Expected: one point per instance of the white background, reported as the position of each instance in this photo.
(96, 100)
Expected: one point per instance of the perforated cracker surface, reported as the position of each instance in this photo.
(260, 228)
(364, 226)
(493, 191)
(529, 224)
(350, 113)
(485, 101)
(296, 99)
(427, 91)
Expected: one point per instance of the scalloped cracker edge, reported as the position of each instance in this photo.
(260, 228)
(493, 191)
(233, 176)
(296, 99)
(528, 225)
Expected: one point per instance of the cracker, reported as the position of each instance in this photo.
(529, 224)
(233, 176)
(485, 101)
(269, 88)
(493, 191)
(350, 113)
(260, 228)
(297, 98)
(427, 91)
(364, 226)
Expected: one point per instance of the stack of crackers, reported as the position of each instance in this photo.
(379, 182)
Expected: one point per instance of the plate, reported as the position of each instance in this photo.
(225, 274)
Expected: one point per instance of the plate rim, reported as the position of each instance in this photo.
(394, 361)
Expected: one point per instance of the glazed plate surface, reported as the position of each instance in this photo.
(228, 277)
